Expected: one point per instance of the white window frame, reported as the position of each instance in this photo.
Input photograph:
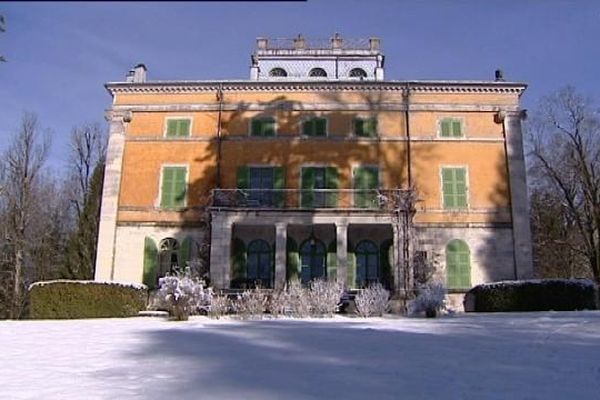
(467, 191)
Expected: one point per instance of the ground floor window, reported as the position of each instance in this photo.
(260, 264)
(458, 265)
(367, 263)
(169, 256)
(313, 258)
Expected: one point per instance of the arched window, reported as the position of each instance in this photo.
(259, 264)
(277, 72)
(169, 256)
(313, 258)
(358, 73)
(458, 265)
(367, 263)
(317, 72)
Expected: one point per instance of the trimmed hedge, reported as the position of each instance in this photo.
(533, 295)
(64, 299)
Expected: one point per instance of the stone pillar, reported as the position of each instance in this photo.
(396, 272)
(220, 251)
(342, 252)
(110, 194)
(280, 254)
(519, 203)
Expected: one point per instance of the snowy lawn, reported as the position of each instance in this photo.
(551, 355)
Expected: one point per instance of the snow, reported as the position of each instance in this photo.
(545, 355)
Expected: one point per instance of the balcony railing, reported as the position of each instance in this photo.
(305, 199)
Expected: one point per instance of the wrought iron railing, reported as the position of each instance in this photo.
(305, 199)
(318, 44)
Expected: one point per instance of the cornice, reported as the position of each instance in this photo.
(176, 87)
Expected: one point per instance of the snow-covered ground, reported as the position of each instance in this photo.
(553, 355)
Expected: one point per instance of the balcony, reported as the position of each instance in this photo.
(299, 199)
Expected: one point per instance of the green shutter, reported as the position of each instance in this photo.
(307, 127)
(454, 187)
(445, 128)
(184, 127)
(171, 128)
(332, 182)
(168, 178)
(185, 253)
(308, 184)
(238, 263)
(456, 128)
(365, 127)
(174, 187)
(268, 128)
(279, 186)
(150, 263)
(178, 127)
(359, 127)
(332, 261)
(320, 127)
(385, 260)
(372, 127)
(293, 260)
(351, 271)
(243, 177)
(458, 265)
(256, 128)
(179, 187)
(366, 182)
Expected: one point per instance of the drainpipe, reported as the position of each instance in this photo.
(220, 98)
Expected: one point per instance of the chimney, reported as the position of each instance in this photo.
(336, 41)
(499, 76)
(299, 43)
(129, 76)
(261, 43)
(139, 74)
(374, 43)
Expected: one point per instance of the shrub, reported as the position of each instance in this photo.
(372, 301)
(250, 304)
(65, 299)
(533, 295)
(324, 297)
(182, 295)
(431, 299)
(219, 306)
(298, 298)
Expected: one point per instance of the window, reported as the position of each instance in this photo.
(454, 188)
(169, 256)
(451, 128)
(314, 127)
(262, 127)
(367, 263)
(266, 186)
(277, 72)
(366, 183)
(313, 259)
(178, 127)
(365, 127)
(259, 264)
(317, 72)
(317, 187)
(358, 73)
(458, 265)
(173, 187)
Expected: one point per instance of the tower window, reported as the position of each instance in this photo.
(358, 73)
(278, 72)
(317, 72)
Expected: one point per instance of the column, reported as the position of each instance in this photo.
(280, 254)
(396, 271)
(342, 251)
(220, 251)
(518, 192)
(110, 194)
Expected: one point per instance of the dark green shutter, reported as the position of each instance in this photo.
(386, 262)
(332, 261)
(332, 182)
(320, 127)
(307, 127)
(184, 127)
(179, 186)
(238, 263)
(351, 271)
(366, 182)
(185, 251)
(256, 128)
(456, 128)
(279, 186)
(359, 127)
(167, 194)
(150, 263)
(268, 128)
(171, 128)
(308, 184)
(445, 128)
(293, 260)
(243, 177)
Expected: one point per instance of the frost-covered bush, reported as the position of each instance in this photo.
(279, 303)
(372, 301)
(431, 299)
(533, 295)
(324, 297)
(182, 295)
(250, 304)
(219, 306)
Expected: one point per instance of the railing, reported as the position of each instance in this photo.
(318, 44)
(306, 199)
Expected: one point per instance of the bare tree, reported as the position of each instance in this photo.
(565, 154)
(22, 165)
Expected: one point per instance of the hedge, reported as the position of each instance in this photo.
(533, 295)
(64, 299)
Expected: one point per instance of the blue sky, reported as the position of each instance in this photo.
(60, 54)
